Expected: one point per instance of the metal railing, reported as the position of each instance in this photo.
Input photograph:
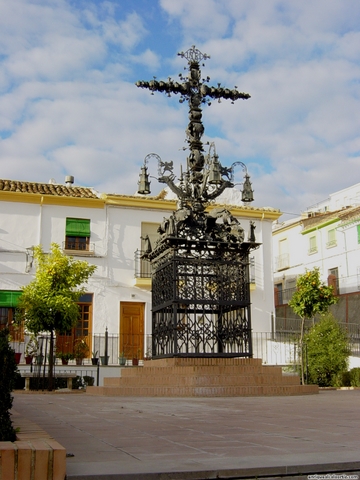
(281, 348)
(292, 327)
(282, 297)
(342, 286)
(142, 265)
(79, 248)
(282, 261)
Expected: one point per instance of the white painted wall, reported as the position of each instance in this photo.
(115, 233)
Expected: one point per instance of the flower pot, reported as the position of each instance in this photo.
(64, 361)
(39, 359)
(79, 361)
(94, 361)
(28, 359)
(104, 360)
(122, 361)
(54, 359)
(17, 357)
(135, 362)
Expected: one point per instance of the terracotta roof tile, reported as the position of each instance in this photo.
(46, 189)
(343, 215)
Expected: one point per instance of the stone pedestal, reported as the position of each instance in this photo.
(203, 377)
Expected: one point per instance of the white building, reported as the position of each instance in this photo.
(107, 230)
(326, 236)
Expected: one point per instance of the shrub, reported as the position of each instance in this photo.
(355, 377)
(327, 350)
(8, 370)
(89, 381)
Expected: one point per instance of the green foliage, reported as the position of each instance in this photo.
(327, 349)
(342, 380)
(354, 375)
(312, 296)
(8, 371)
(49, 301)
(65, 356)
(89, 381)
(81, 349)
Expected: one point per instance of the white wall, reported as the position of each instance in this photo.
(115, 233)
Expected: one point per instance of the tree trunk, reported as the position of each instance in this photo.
(51, 363)
(302, 350)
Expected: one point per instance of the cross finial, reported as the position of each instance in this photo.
(193, 55)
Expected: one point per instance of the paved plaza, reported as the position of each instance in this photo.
(200, 438)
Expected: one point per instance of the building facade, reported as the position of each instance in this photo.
(326, 236)
(108, 231)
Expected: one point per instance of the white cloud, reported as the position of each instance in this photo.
(68, 103)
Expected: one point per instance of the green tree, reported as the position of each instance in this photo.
(311, 296)
(327, 349)
(48, 303)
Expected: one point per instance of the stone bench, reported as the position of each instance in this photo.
(68, 375)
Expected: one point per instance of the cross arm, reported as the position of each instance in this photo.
(167, 87)
(220, 92)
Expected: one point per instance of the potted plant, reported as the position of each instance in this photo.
(65, 357)
(31, 349)
(135, 360)
(81, 350)
(104, 359)
(122, 359)
(148, 355)
(95, 358)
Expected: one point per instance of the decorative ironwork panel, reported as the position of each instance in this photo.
(198, 331)
(201, 306)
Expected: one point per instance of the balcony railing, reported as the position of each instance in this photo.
(331, 243)
(142, 265)
(282, 262)
(80, 249)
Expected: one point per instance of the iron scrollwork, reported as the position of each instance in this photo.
(200, 263)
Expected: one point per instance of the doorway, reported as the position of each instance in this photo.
(132, 329)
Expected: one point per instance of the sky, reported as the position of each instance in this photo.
(69, 104)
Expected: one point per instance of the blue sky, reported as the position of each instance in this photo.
(69, 104)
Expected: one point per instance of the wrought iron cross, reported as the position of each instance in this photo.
(196, 92)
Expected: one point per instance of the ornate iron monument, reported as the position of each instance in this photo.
(200, 264)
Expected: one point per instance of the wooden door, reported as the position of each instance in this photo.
(132, 329)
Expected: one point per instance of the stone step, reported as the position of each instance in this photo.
(210, 379)
(201, 370)
(203, 377)
(219, 391)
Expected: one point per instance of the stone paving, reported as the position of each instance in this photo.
(200, 438)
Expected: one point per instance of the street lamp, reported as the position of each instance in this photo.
(144, 182)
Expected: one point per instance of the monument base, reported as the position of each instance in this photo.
(203, 377)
